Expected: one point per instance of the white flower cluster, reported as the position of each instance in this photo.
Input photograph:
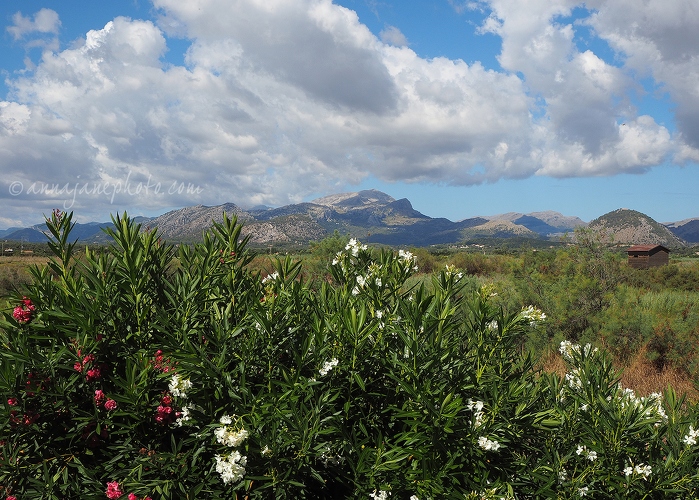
(179, 386)
(327, 366)
(568, 349)
(691, 438)
(487, 444)
(562, 476)
(533, 315)
(653, 403)
(354, 247)
(328, 457)
(373, 275)
(450, 270)
(184, 416)
(640, 469)
(477, 408)
(492, 326)
(381, 495)
(229, 436)
(582, 450)
(232, 467)
(407, 258)
(270, 277)
(378, 314)
(573, 379)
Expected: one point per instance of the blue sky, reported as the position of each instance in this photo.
(465, 108)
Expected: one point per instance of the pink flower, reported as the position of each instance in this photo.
(93, 374)
(11, 497)
(12, 401)
(78, 366)
(113, 490)
(132, 496)
(99, 397)
(110, 405)
(24, 313)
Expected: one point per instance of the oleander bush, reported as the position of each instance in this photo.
(149, 371)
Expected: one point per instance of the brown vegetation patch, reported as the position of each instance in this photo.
(639, 374)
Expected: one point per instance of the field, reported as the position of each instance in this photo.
(143, 371)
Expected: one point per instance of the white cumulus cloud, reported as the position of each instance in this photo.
(278, 99)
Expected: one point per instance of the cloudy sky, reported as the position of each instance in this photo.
(464, 107)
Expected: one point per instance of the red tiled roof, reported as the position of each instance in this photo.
(645, 248)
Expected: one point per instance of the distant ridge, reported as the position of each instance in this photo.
(687, 229)
(543, 223)
(376, 217)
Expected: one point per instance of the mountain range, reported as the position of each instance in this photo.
(375, 217)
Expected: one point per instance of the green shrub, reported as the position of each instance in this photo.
(154, 372)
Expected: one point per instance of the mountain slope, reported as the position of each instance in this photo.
(498, 229)
(544, 223)
(688, 231)
(629, 227)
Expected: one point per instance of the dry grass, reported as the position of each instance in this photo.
(644, 378)
(640, 375)
(22, 261)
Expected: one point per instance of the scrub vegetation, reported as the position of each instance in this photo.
(144, 370)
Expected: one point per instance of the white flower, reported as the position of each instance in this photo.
(378, 282)
(354, 247)
(327, 366)
(562, 476)
(381, 495)
(178, 386)
(184, 416)
(643, 470)
(533, 314)
(355, 291)
(573, 379)
(414, 497)
(361, 281)
(266, 451)
(230, 438)
(566, 349)
(591, 455)
(450, 270)
(378, 314)
(232, 467)
(492, 326)
(487, 444)
(477, 408)
(691, 438)
(583, 491)
(270, 277)
(405, 256)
